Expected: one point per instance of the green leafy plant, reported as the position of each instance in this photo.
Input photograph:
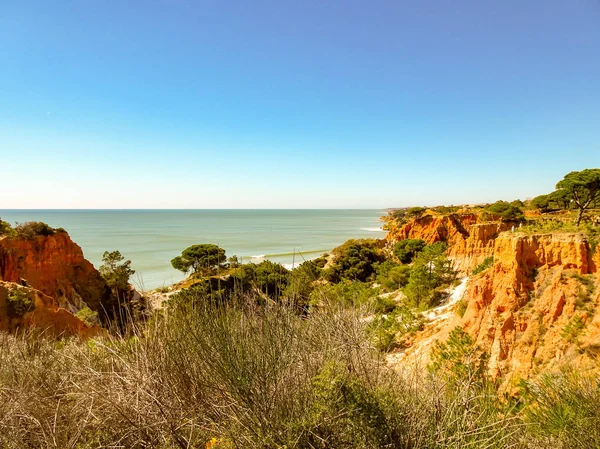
(116, 271)
(431, 270)
(406, 250)
(387, 329)
(202, 258)
(563, 410)
(582, 188)
(32, 229)
(355, 260)
(19, 303)
(6, 229)
(541, 202)
(391, 275)
(461, 308)
(573, 330)
(508, 212)
(487, 263)
(409, 213)
(88, 316)
(347, 293)
(458, 358)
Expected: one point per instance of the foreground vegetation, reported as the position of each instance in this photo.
(240, 376)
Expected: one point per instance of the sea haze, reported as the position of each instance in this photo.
(151, 238)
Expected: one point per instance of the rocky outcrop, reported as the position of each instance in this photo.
(55, 265)
(37, 310)
(469, 242)
(536, 308)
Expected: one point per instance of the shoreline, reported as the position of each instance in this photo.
(256, 259)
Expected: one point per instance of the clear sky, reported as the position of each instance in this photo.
(295, 104)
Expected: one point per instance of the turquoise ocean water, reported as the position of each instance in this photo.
(151, 238)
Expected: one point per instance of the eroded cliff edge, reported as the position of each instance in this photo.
(61, 282)
(535, 308)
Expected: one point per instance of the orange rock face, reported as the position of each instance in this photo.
(521, 308)
(55, 266)
(46, 315)
(535, 309)
(469, 242)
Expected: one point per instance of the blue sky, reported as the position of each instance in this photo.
(269, 104)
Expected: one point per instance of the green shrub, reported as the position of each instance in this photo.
(19, 303)
(563, 410)
(508, 212)
(430, 271)
(268, 277)
(6, 229)
(462, 307)
(445, 210)
(321, 261)
(573, 330)
(32, 229)
(544, 226)
(406, 250)
(341, 397)
(458, 358)
(391, 275)
(355, 260)
(347, 293)
(541, 202)
(487, 263)
(408, 213)
(386, 329)
(249, 282)
(213, 290)
(301, 283)
(88, 316)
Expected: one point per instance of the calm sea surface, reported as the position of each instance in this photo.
(151, 238)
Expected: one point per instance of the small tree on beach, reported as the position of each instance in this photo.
(203, 257)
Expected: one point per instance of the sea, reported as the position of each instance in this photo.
(151, 238)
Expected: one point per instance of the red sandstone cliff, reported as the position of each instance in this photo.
(520, 309)
(55, 266)
(46, 315)
(536, 308)
(469, 242)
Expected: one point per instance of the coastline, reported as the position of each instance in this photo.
(256, 259)
(151, 239)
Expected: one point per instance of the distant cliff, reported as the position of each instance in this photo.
(469, 241)
(535, 308)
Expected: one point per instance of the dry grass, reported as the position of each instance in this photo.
(247, 376)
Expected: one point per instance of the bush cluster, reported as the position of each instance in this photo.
(354, 260)
(265, 377)
(406, 250)
(505, 211)
(32, 229)
(19, 303)
(430, 272)
(6, 228)
(487, 263)
(405, 214)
